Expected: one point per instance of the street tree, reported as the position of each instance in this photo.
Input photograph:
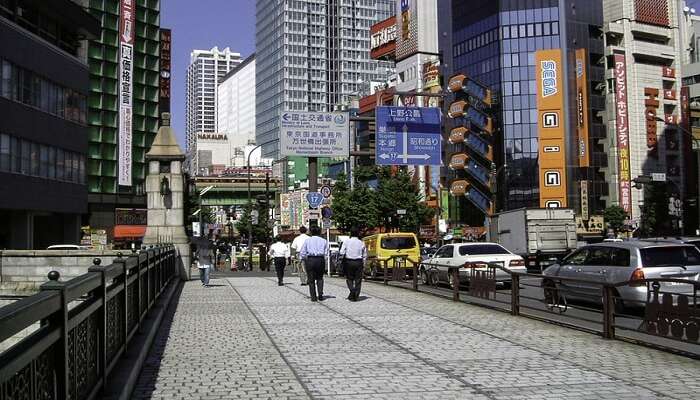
(655, 219)
(615, 217)
(262, 232)
(354, 208)
(396, 191)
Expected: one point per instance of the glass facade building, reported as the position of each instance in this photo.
(103, 107)
(494, 42)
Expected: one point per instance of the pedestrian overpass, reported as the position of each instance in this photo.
(233, 190)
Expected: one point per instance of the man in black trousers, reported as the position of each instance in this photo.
(280, 254)
(354, 254)
(314, 252)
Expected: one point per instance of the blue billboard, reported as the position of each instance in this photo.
(409, 136)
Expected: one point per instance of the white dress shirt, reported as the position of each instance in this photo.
(315, 246)
(279, 249)
(298, 242)
(354, 249)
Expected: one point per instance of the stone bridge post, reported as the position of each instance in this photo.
(165, 187)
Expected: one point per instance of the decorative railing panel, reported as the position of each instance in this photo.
(85, 325)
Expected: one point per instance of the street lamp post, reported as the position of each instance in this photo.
(250, 206)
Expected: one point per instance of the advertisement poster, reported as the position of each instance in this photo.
(127, 26)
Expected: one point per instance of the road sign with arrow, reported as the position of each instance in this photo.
(408, 136)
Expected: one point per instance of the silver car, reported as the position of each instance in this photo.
(628, 261)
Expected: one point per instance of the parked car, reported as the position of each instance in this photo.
(383, 246)
(618, 262)
(426, 253)
(694, 240)
(452, 256)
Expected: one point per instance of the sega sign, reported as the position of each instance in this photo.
(549, 78)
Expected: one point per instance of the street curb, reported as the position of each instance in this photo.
(126, 372)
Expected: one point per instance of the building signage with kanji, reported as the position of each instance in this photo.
(315, 134)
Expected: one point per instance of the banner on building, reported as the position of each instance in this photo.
(165, 59)
(431, 74)
(127, 26)
(622, 133)
(582, 108)
(550, 107)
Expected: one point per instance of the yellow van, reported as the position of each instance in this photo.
(383, 246)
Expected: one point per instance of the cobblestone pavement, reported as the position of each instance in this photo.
(394, 344)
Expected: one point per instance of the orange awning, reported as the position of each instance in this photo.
(129, 231)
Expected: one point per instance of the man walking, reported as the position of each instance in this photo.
(280, 254)
(205, 258)
(296, 248)
(354, 254)
(313, 252)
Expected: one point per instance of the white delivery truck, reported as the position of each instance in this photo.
(540, 235)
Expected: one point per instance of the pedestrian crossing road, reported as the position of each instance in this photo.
(247, 338)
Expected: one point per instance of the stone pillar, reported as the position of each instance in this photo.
(165, 187)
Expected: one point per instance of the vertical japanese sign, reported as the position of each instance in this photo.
(582, 108)
(622, 133)
(165, 54)
(550, 106)
(127, 15)
(405, 19)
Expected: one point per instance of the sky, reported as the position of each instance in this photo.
(203, 24)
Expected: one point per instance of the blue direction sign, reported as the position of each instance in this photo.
(408, 136)
(315, 199)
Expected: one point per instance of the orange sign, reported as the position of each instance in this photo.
(458, 134)
(459, 188)
(582, 108)
(550, 107)
(459, 161)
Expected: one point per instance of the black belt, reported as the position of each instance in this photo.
(316, 256)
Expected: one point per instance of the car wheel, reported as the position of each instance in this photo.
(424, 276)
(373, 272)
(451, 279)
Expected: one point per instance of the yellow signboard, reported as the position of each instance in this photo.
(550, 107)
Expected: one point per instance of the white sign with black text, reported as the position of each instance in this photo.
(315, 134)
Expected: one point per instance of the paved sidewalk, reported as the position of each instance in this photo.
(248, 338)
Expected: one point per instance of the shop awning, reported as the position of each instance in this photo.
(129, 231)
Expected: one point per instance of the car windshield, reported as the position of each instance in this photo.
(480, 249)
(398, 242)
(670, 256)
(695, 243)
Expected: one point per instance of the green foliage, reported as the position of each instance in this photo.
(615, 217)
(367, 209)
(655, 219)
(192, 205)
(262, 232)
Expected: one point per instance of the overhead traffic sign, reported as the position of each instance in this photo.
(315, 134)
(315, 199)
(408, 136)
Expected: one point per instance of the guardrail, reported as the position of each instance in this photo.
(662, 312)
(84, 326)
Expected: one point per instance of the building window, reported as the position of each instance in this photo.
(26, 87)
(24, 157)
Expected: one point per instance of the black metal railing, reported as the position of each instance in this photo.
(83, 326)
(662, 312)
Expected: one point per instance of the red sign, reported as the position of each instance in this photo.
(127, 26)
(622, 133)
(669, 72)
(383, 39)
(165, 58)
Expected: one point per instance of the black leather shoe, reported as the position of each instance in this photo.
(350, 297)
(280, 284)
(314, 299)
(321, 298)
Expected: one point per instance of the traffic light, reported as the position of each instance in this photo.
(473, 128)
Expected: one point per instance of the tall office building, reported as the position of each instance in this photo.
(499, 43)
(312, 55)
(44, 80)
(116, 177)
(204, 74)
(643, 56)
(236, 104)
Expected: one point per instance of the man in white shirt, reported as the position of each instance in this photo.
(280, 254)
(354, 254)
(297, 244)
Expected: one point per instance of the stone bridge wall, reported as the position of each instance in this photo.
(23, 271)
